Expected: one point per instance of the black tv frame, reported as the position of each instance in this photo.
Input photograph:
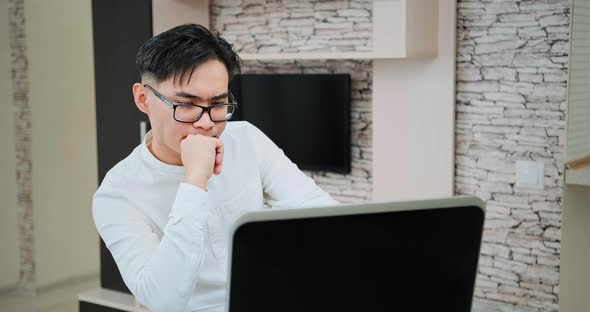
(236, 89)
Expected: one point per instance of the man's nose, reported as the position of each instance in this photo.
(204, 121)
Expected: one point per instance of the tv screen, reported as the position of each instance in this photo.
(306, 115)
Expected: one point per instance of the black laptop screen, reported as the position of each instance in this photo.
(394, 261)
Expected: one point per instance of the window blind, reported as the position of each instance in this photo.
(578, 129)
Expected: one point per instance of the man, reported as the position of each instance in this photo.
(165, 211)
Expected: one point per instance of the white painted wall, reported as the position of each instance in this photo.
(413, 120)
(574, 284)
(167, 14)
(9, 267)
(61, 74)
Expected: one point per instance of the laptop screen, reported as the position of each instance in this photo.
(420, 260)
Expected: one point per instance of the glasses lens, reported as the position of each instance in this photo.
(187, 113)
(222, 112)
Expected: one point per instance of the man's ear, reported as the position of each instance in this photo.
(140, 97)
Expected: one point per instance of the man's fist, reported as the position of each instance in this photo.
(202, 157)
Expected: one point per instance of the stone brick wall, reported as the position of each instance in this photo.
(272, 26)
(303, 26)
(511, 91)
(511, 79)
(22, 115)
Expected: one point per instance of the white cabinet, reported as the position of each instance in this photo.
(401, 29)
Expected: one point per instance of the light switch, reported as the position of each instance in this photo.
(529, 174)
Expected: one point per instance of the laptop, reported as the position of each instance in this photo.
(391, 256)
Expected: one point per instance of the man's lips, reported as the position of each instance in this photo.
(208, 135)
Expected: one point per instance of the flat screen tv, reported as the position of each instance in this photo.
(306, 115)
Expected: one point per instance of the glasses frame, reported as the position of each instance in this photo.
(206, 109)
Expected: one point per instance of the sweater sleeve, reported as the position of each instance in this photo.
(160, 273)
(282, 181)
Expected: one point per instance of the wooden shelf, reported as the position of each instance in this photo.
(578, 176)
(322, 56)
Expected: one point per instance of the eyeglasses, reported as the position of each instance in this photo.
(189, 112)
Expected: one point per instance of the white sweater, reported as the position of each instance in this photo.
(170, 239)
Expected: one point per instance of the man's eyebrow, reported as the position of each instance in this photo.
(192, 96)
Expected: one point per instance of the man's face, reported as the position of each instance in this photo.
(208, 81)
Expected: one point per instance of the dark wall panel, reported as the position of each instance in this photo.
(119, 29)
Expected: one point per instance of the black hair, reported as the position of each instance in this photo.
(178, 51)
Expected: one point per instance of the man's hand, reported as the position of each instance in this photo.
(202, 156)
